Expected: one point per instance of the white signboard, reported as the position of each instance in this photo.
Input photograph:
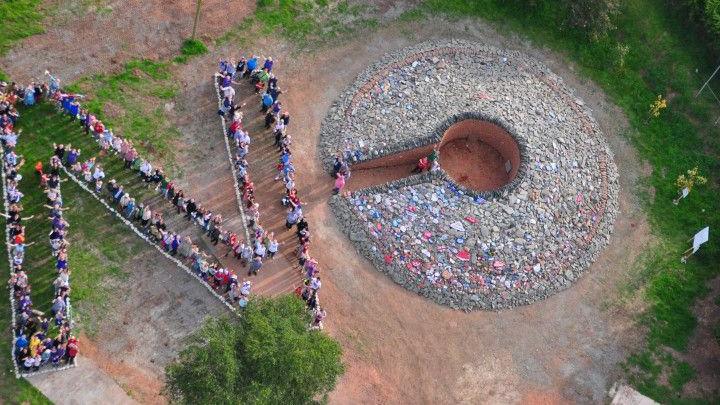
(700, 238)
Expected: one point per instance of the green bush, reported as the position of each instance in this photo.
(712, 15)
(267, 355)
(192, 47)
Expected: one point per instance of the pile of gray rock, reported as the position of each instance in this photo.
(461, 248)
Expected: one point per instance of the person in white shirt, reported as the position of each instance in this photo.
(273, 246)
(228, 92)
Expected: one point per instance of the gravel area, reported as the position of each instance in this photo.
(463, 248)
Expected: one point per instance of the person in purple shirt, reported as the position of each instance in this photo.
(88, 122)
(57, 354)
(226, 81)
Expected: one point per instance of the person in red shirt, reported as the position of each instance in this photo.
(72, 349)
(234, 126)
(99, 128)
(422, 165)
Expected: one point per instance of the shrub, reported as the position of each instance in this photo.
(192, 47)
(711, 13)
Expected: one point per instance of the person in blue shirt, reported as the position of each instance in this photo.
(54, 83)
(72, 156)
(74, 109)
(251, 65)
(29, 98)
(222, 66)
(21, 342)
(267, 101)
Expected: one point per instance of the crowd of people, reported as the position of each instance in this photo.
(34, 345)
(277, 119)
(150, 220)
(40, 340)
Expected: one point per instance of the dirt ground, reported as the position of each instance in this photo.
(123, 29)
(399, 347)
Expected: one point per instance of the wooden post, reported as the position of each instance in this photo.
(197, 17)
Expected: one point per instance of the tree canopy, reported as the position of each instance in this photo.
(265, 356)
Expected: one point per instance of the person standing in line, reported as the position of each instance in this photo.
(339, 183)
(255, 266)
(267, 102)
(294, 215)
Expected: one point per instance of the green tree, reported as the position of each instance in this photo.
(265, 356)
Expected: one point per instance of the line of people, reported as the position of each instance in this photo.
(265, 245)
(34, 344)
(222, 280)
(266, 84)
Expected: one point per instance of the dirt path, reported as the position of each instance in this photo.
(399, 347)
(385, 169)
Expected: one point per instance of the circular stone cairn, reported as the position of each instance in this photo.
(491, 247)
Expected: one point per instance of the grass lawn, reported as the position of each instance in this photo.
(41, 127)
(20, 19)
(660, 60)
(131, 102)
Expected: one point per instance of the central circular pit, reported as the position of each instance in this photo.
(480, 155)
(525, 194)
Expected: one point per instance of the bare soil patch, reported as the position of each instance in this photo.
(385, 169)
(475, 153)
(102, 42)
